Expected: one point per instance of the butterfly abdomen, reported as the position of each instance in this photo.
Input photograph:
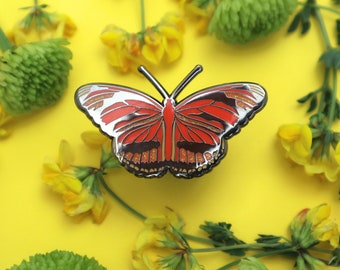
(169, 118)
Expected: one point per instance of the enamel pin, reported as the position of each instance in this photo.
(187, 138)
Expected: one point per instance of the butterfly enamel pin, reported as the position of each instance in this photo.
(187, 138)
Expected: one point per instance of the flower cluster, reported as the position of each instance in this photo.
(80, 185)
(47, 62)
(151, 46)
(40, 24)
(316, 145)
(311, 227)
(34, 64)
(297, 141)
(239, 21)
(162, 245)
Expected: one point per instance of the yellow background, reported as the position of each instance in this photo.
(254, 187)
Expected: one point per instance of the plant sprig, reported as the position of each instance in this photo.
(165, 235)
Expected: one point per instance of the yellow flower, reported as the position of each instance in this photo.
(56, 26)
(85, 202)
(323, 228)
(172, 29)
(63, 25)
(314, 225)
(124, 48)
(296, 140)
(153, 49)
(161, 245)
(60, 175)
(326, 167)
(202, 15)
(127, 51)
(81, 195)
(96, 139)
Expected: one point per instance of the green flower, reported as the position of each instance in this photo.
(34, 75)
(242, 21)
(57, 260)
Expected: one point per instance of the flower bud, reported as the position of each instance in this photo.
(245, 20)
(34, 75)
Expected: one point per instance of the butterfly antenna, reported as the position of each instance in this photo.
(196, 70)
(154, 81)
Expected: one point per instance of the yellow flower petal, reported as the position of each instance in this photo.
(296, 139)
(337, 154)
(153, 49)
(113, 36)
(318, 214)
(99, 209)
(78, 203)
(65, 155)
(94, 138)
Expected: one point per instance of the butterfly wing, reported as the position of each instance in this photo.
(205, 119)
(132, 119)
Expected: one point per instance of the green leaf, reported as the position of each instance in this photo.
(331, 58)
(313, 103)
(220, 232)
(272, 240)
(303, 18)
(305, 98)
(268, 239)
(295, 23)
(57, 260)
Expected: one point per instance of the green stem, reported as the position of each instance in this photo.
(5, 44)
(142, 12)
(234, 247)
(322, 7)
(119, 200)
(331, 116)
(202, 240)
(324, 86)
(323, 28)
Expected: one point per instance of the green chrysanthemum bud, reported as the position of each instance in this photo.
(57, 260)
(34, 75)
(242, 21)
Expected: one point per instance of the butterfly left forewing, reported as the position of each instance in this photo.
(205, 119)
(132, 119)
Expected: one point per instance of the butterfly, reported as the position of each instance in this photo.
(187, 138)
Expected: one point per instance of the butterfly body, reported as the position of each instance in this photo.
(186, 138)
